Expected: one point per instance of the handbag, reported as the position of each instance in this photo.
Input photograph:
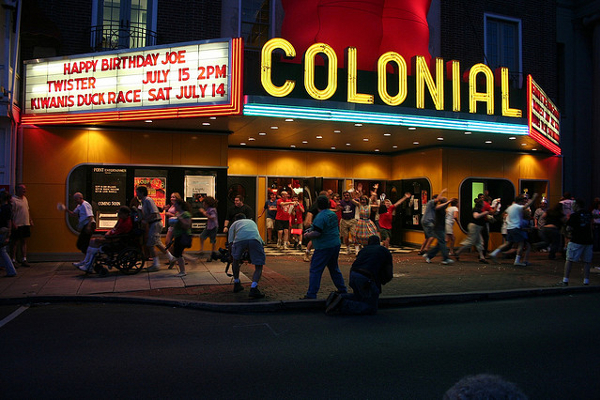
(186, 240)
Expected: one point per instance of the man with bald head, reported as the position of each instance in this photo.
(86, 225)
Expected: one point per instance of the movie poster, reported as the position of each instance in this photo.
(108, 194)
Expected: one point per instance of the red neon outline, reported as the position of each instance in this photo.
(533, 132)
(234, 107)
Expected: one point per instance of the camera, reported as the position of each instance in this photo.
(224, 256)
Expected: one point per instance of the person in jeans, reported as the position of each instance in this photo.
(244, 236)
(5, 220)
(439, 231)
(580, 247)
(372, 268)
(325, 235)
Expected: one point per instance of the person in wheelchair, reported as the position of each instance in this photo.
(120, 231)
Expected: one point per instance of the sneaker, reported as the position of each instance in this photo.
(427, 259)
(25, 264)
(153, 268)
(279, 245)
(333, 307)
(520, 264)
(78, 264)
(562, 284)
(483, 261)
(306, 257)
(84, 268)
(255, 293)
(172, 263)
(332, 296)
(494, 258)
(448, 261)
(285, 246)
(307, 298)
(237, 287)
(179, 275)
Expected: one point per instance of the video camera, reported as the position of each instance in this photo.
(224, 256)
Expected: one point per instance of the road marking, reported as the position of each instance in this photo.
(14, 315)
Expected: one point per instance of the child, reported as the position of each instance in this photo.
(212, 225)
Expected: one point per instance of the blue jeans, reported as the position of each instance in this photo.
(365, 298)
(325, 258)
(6, 261)
(440, 235)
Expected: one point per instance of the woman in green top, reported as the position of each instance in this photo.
(182, 223)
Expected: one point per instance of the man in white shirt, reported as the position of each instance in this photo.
(86, 225)
(516, 233)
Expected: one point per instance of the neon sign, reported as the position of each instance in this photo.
(192, 79)
(543, 117)
(425, 80)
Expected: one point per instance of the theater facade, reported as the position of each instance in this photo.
(205, 119)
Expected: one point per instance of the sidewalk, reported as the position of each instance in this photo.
(285, 280)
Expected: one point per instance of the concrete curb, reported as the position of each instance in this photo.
(304, 305)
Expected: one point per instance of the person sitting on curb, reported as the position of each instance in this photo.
(372, 268)
(244, 236)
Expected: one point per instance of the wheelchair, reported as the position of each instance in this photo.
(123, 253)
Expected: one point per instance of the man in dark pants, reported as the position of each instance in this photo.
(372, 268)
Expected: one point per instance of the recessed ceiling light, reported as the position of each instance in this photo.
(194, 137)
(512, 138)
(148, 120)
(206, 123)
(358, 124)
(440, 138)
(415, 143)
(319, 137)
(347, 144)
(332, 147)
(488, 142)
(365, 139)
(523, 144)
(412, 128)
(251, 139)
(262, 133)
(293, 146)
(274, 127)
(305, 141)
(213, 117)
(534, 149)
(289, 120)
(394, 147)
(387, 134)
(467, 133)
(337, 131)
(242, 144)
(376, 149)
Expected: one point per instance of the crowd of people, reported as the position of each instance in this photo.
(361, 221)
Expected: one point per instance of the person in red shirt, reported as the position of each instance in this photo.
(296, 221)
(282, 220)
(123, 226)
(385, 218)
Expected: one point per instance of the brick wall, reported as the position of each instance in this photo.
(463, 36)
(185, 20)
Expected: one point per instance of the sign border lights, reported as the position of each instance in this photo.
(180, 80)
(542, 117)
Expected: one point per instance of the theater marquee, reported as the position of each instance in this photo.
(188, 80)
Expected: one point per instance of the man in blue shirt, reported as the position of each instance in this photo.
(244, 236)
(325, 235)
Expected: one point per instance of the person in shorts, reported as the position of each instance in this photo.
(244, 236)
(580, 247)
(212, 225)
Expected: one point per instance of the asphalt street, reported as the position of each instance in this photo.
(545, 345)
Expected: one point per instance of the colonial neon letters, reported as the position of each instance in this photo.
(424, 79)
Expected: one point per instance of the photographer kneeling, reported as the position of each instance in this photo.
(244, 235)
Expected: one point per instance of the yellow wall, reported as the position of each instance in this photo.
(50, 154)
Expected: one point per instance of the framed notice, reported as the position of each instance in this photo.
(108, 193)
